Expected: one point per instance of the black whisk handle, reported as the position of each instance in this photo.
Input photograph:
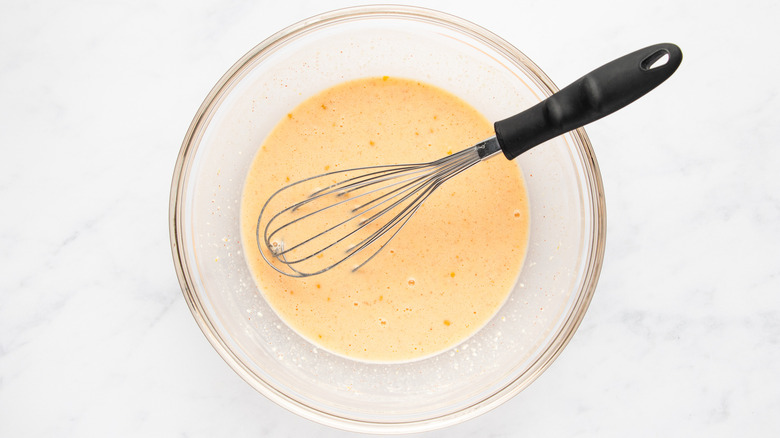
(593, 96)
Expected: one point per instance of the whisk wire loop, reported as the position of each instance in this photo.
(386, 197)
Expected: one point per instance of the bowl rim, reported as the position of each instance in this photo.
(568, 326)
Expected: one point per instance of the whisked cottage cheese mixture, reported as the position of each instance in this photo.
(451, 267)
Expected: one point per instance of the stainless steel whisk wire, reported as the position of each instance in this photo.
(411, 183)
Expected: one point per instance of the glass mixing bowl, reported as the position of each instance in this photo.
(543, 310)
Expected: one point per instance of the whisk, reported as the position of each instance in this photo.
(311, 226)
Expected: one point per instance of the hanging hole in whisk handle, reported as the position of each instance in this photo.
(655, 60)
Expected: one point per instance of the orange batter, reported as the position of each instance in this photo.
(451, 267)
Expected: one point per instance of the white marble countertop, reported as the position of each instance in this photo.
(681, 339)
